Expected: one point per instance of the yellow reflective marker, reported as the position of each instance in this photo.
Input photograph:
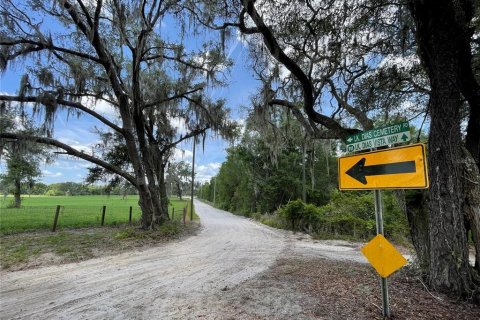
(383, 256)
(396, 168)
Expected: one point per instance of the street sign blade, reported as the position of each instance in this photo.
(396, 168)
(379, 137)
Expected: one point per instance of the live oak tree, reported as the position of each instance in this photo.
(82, 53)
(444, 34)
(22, 158)
(315, 52)
(177, 177)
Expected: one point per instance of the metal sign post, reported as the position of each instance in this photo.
(396, 168)
(379, 220)
(193, 180)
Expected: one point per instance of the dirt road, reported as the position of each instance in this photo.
(198, 277)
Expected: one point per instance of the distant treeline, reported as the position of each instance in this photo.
(287, 181)
(71, 189)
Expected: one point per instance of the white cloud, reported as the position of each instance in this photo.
(402, 62)
(50, 174)
(102, 107)
(182, 155)
(240, 38)
(18, 123)
(179, 124)
(242, 124)
(70, 163)
(86, 148)
(106, 108)
(204, 173)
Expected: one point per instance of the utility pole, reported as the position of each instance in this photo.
(304, 188)
(214, 190)
(193, 180)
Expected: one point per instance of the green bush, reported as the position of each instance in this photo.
(54, 192)
(300, 216)
(349, 215)
(348, 225)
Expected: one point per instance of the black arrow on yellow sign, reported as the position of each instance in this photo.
(359, 171)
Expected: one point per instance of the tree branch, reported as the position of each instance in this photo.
(311, 129)
(70, 151)
(193, 133)
(308, 90)
(210, 25)
(105, 58)
(366, 123)
(186, 63)
(177, 96)
(38, 46)
(66, 103)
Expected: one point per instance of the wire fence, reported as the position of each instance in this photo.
(77, 213)
(42, 217)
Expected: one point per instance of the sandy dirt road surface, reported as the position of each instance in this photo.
(207, 276)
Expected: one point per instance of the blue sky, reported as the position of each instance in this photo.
(79, 132)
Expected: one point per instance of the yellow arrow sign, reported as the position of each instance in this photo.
(396, 168)
(383, 256)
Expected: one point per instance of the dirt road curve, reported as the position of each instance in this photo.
(193, 278)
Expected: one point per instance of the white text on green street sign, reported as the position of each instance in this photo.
(392, 134)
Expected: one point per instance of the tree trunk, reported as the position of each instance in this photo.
(17, 194)
(312, 165)
(304, 182)
(417, 215)
(326, 149)
(179, 189)
(449, 266)
(147, 159)
(439, 36)
(145, 203)
(414, 203)
(472, 200)
(163, 193)
(145, 198)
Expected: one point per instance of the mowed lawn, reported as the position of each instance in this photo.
(38, 212)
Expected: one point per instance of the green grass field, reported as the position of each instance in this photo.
(37, 212)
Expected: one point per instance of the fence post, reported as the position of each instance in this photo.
(173, 213)
(130, 216)
(103, 214)
(55, 220)
(184, 214)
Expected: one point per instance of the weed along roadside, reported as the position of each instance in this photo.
(27, 241)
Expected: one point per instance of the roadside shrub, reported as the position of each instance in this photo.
(347, 225)
(318, 197)
(300, 216)
(54, 192)
(348, 215)
(11, 204)
(292, 212)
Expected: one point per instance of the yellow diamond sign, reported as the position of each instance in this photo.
(383, 256)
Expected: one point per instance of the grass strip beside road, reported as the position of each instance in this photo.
(29, 250)
(26, 242)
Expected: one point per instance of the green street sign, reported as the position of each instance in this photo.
(379, 137)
